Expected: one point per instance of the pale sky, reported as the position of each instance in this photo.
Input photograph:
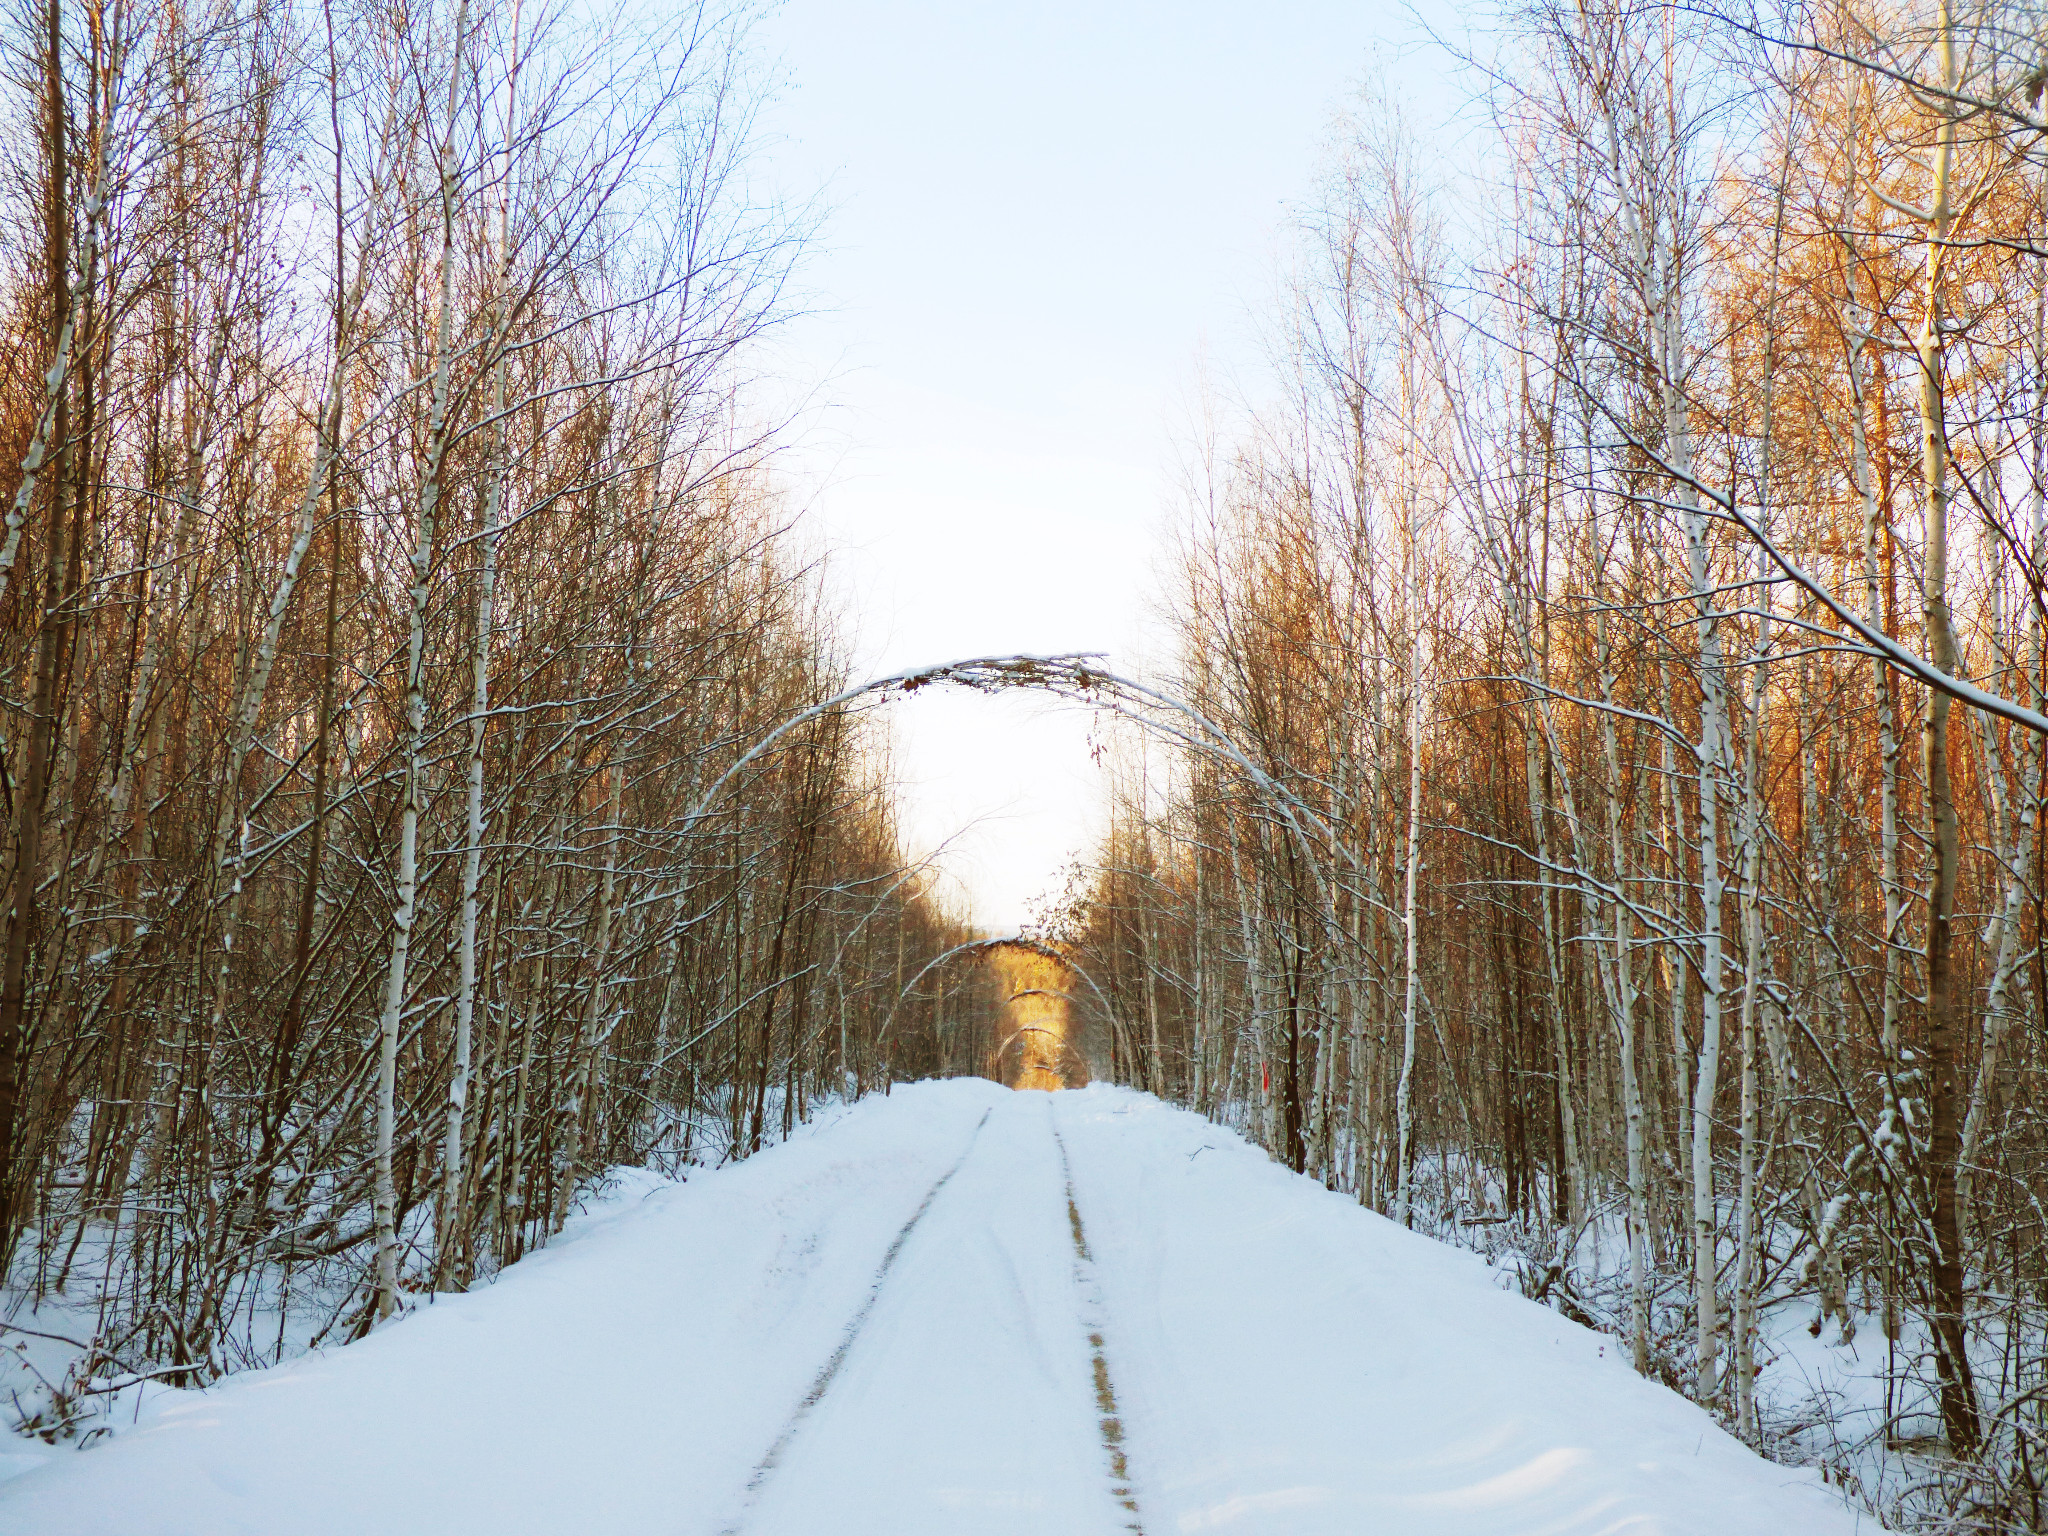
(1042, 221)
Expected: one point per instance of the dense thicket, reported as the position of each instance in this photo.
(391, 581)
(1632, 628)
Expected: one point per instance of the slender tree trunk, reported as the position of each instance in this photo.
(30, 785)
(1958, 1391)
(1411, 968)
(386, 1196)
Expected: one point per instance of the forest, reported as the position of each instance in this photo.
(393, 583)
(1614, 839)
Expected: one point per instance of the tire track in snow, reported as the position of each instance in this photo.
(766, 1467)
(1109, 1415)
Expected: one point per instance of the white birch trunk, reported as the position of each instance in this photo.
(385, 1196)
(1747, 1268)
(1663, 312)
(1403, 1108)
(1623, 998)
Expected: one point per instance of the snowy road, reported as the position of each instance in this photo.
(963, 1310)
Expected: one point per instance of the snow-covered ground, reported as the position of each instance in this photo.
(955, 1309)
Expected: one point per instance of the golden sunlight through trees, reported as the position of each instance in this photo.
(1035, 1045)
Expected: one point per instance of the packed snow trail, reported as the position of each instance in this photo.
(953, 1310)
